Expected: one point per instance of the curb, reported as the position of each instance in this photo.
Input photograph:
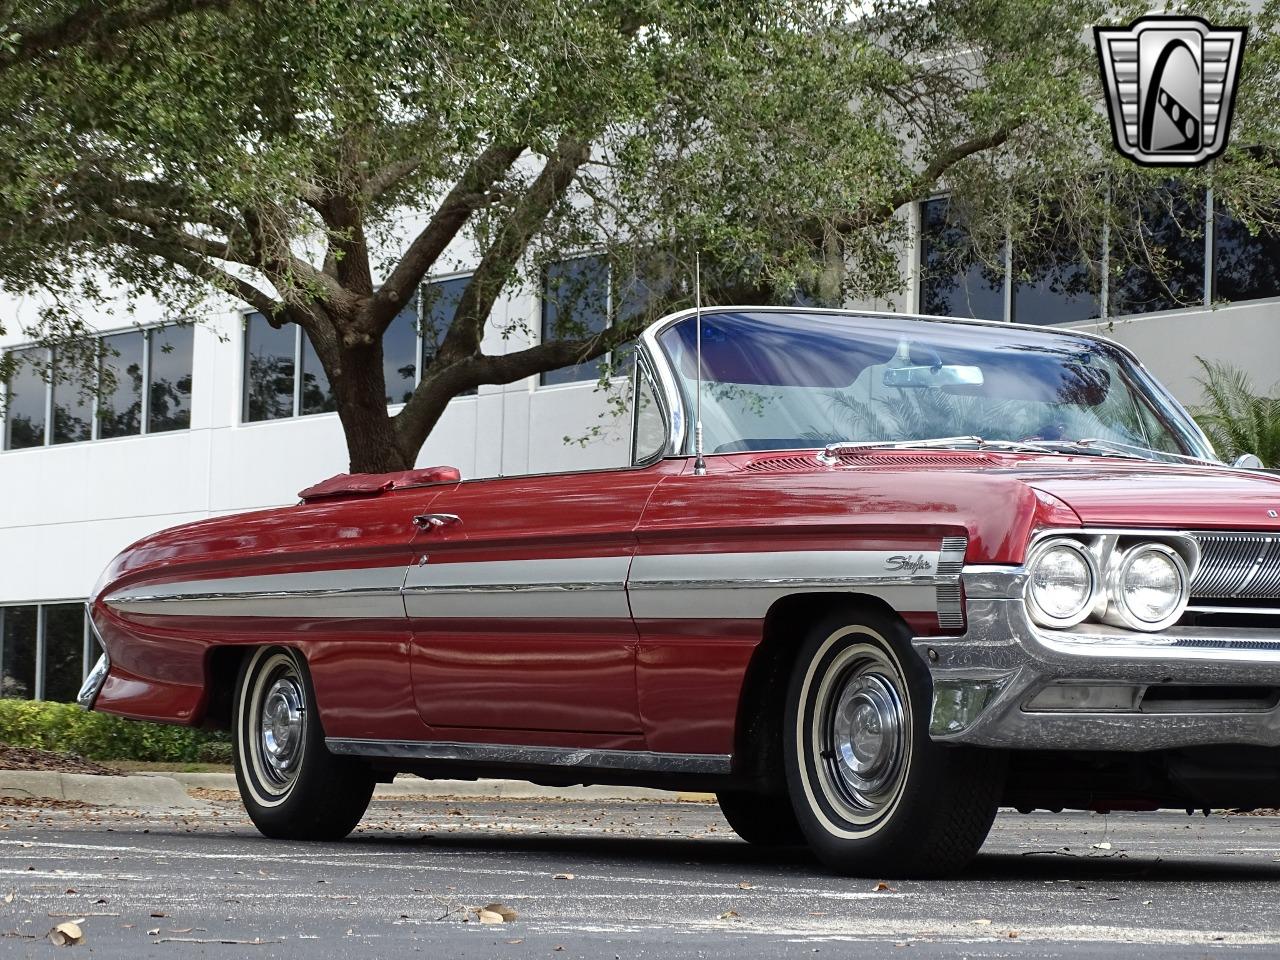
(133, 792)
(408, 785)
(168, 791)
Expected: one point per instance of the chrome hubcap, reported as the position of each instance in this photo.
(866, 735)
(281, 729)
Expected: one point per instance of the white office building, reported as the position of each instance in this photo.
(229, 414)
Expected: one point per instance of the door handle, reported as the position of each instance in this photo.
(431, 521)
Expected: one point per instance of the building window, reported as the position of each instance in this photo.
(440, 300)
(1055, 280)
(169, 391)
(575, 304)
(72, 388)
(954, 282)
(120, 402)
(1246, 265)
(1163, 246)
(283, 375)
(18, 626)
(270, 358)
(26, 399)
(400, 349)
(47, 651)
(316, 394)
(116, 385)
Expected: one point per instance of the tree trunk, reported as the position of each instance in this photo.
(360, 389)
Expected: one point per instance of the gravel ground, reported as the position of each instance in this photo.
(625, 879)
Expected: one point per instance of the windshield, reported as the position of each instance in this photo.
(776, 381)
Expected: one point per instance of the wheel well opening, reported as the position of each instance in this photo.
(221, 673)
(758, 730)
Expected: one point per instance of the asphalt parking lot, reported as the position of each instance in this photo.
(623, 879)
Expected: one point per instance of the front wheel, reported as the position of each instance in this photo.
(874, 795)
(291, 785)
(761, 819)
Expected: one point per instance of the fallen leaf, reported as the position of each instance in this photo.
(66, 935)
(501, 909)
(8, 897)
(881, 887)
(983, 922)
(1013, 934)
(729, 915)
(563, 876)
(1102, 846)
(745, 886)
(489, 916)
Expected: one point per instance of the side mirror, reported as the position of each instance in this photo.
(1248, 461)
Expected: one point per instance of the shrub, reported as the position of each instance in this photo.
(101, 736)
(1236, 418)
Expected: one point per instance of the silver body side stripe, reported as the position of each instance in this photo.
(665, 586)
(370, 592)
(586, 758)
(574, 587)
(744, 585)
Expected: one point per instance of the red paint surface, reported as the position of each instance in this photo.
(540, 674)
(667, 685)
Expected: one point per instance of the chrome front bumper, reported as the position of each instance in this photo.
(985, 681)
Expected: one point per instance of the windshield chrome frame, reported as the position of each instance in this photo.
(1171, 412)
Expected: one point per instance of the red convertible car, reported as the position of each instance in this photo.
(927, 568)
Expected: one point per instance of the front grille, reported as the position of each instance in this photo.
(1237, 566)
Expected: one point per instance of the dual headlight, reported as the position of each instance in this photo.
(1144, 585)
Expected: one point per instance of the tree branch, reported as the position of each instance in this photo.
(92, 21)
(383, 180)
(551, 185)
(198, 266)
(466, 196)
(927, 179)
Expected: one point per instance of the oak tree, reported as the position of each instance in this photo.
(318, 161)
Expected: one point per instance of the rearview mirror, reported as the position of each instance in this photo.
(944, 375)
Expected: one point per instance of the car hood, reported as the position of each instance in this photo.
(1120, 493)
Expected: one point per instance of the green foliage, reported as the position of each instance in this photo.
(269, 151)
(1236, 418)
(101, 736)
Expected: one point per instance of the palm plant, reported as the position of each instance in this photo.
(1237, 419)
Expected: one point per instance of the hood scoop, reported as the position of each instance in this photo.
(796, 463)
(372, 484)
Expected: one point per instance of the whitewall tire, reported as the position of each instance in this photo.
(292, 786)
(873, 794)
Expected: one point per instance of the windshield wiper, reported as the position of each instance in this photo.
(1091, 446)
(831, 454)
(1115, 448)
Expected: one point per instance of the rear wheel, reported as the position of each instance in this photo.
(291, 785)
(761, 819)
(874, 795)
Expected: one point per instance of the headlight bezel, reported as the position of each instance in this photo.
(1118, 612)
(1036, 556)
(1112, 550)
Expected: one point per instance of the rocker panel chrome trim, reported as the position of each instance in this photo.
(529, 756)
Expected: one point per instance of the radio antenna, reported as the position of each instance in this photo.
(699, 463)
